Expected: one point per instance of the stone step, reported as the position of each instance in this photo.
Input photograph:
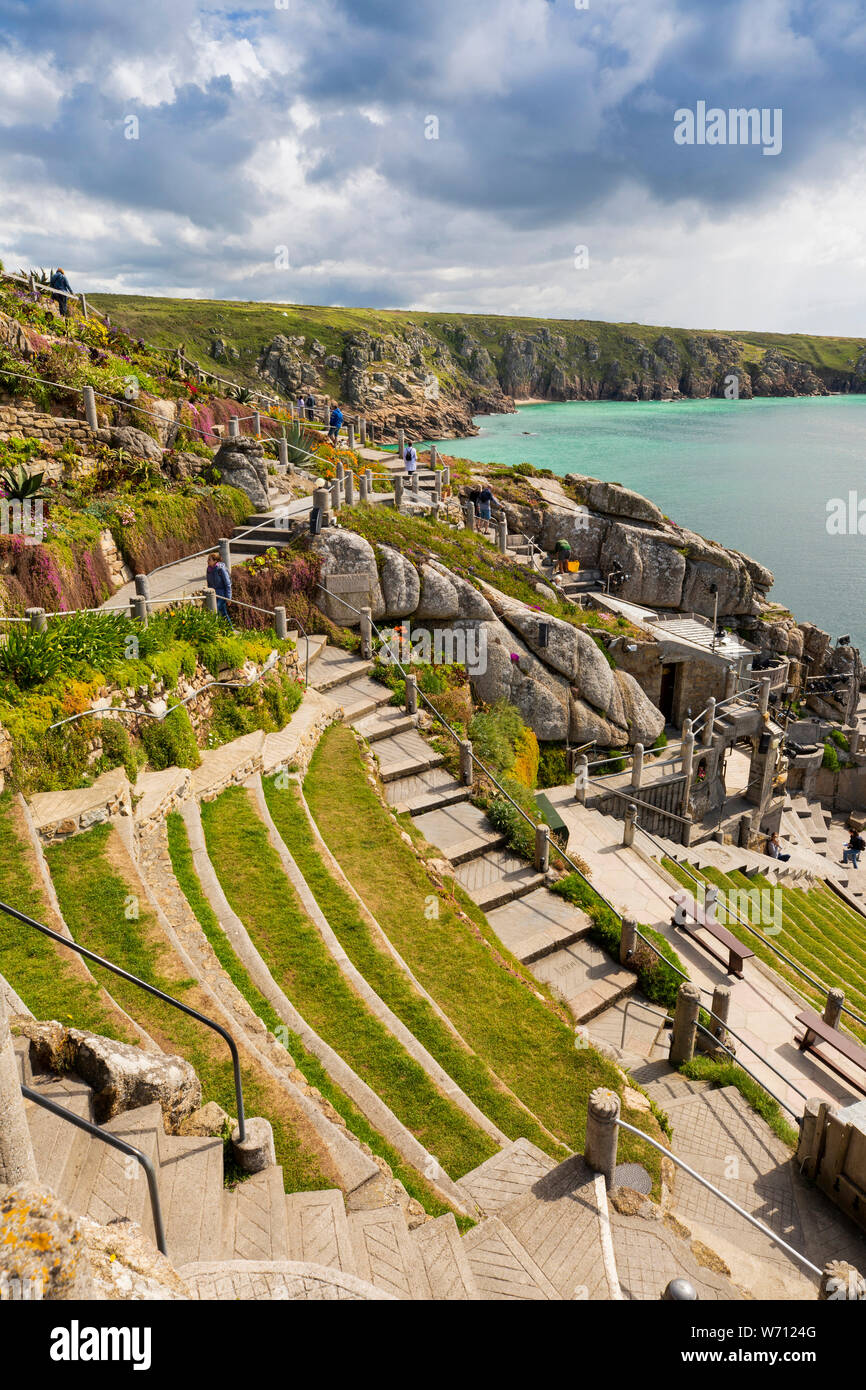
(560, 1225)
(585, 977)
(109, 1185)
(260, 544)
(255, 1224)
(502, 1269)
(190, 1181)
(497, 877)
(60, 1149)
(507, 1175)
(404, 755)
(21, 1051)
(425, 791)
(358, 696)
(461, 831)
(385, 1255)
(318, 1230)
(384, 723)
(334, 666)
(445, 1260)
(537, 924)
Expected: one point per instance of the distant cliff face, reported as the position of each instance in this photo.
(431, 378)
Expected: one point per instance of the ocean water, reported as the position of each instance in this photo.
(754, 475)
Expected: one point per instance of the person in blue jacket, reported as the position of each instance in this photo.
(59, 281)
(220, 580)
(334, 424)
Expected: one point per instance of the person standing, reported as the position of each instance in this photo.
(562, 555)
(853, 850)
(311, 407)
(335, 424)
(302, 408)
(59, 281)
(410, 458)
(220, 580)
(485, 503)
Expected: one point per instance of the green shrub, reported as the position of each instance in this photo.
(29, 658)
(830, 759)
(552, 766)
(170, 742)
(839, 739)
(506, 818)
(495, 733)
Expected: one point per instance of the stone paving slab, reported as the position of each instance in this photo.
(358, 696)
(333, 666)
(502, 1269)
(274, 1282)
(506, 1175)
(385, 1255)
(445, 1260)
(649, 1254)
(538, 923)
(424, 791)
(460, 830)
(403, 754)
(559, 1224)
(584, 976)
(496, 877)
(318, 1230)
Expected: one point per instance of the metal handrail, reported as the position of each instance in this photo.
(150, 989)
(717, 1042)
(818, 984)
(631, 1003)
(116, 1143)
(626, 796)
(729, 1201)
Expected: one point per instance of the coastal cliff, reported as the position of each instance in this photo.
(431, 373)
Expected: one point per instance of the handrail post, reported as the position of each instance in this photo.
(710, 724)
(581, 779)
(38, 620)
(685, 1024)
(210, 600)
(833, 1007)
(349, 483)
(234, 427)
(139, 608)
(90, 409)
(366, 633)
(602, 1133)
(764, 698)
(637, 766)
(466, 763)
(720, 1010)
(398, 492)
(502, 534)
(542, 849)
(411, 694)
(17, 1160)
(226, 553)
(628, 825)
(627, 940)
(281, 626)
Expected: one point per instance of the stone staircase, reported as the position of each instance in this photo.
(344, 677)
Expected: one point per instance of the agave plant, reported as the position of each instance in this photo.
(21, 486)
(242, 395)
(300, 442)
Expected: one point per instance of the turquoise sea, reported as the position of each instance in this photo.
(755, 475)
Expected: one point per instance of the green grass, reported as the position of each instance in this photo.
(494, 1002)
(388, 980)
(819, 931)
(93, 897)
(184, 870)
(49, 985)
(253, 880)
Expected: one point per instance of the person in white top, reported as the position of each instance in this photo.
(410, 459)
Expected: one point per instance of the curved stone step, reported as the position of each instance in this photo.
(243, 1281)
(449, 1272)
(318, 1230)
(385, 1255)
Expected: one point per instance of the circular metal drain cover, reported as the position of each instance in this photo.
(633, 1175)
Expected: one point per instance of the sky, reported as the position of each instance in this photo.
(487, 156)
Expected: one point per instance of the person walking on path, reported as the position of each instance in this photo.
(774, 848)
(302, 408)
(311, 407)
(59, 281)
(335, 424)
(485, 502)
(220, 580)
(854, 848)
(410, 458)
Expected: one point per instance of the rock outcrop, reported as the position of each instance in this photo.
(241, 464)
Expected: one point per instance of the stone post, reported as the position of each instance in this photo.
(401, 446)
(602, 1133)
(469, 516)
(210, 598)
(257, 1152)
(339, 472)
(368, 472)
(720, 1009)
(581, 778)
(350, 429)
(627, 940)
(38, 620)
(710, 723)
(841, 1282)
(364, 488)
(686, 832)
(731, 683)
(398, 491)
(283, 447)
(17, 1163)
(502, 534)
(363, 430)
(416, 483)
(257, 423)
(281, 626)
(434, 456)
(446, 475)
(335, 494)
(764, 697)
(685, 1024)
(466, 769)
(744, 832)
(411, 695)
(234, 427)
(437, 485)
(226, 552)
(366, 634)
(349, 481)
(688, 752)
(83, 302)
(90, 408)
(628, 825)
(542, 849)
(139, 608)
(637, 766)
(322, 500)
(833, 1007)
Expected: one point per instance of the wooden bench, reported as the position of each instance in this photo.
(692, 918)
(553, 820)
(814, 1028)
